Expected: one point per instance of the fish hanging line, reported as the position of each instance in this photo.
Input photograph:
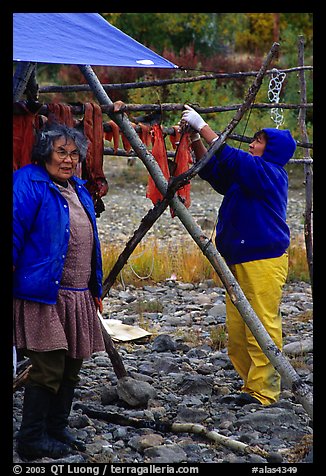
(274, 90)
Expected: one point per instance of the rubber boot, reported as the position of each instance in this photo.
(33, 440)
(57, 421)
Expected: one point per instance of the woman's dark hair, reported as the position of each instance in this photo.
(45, 138)
(260, 133)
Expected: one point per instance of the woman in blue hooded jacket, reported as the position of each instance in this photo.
(252, 236)
(57, 285)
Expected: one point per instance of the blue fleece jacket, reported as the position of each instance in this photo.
(252, 217)
(41, 234)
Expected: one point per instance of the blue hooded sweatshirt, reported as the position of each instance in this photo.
(252, 217)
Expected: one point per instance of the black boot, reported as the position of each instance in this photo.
(57, 421)
(33, 441)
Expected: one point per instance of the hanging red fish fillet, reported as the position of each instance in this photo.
(174, 138)
(23, 139)
(61, 113)
(93, 165)
(145, 134)
(26, 121)
(183, 159)
(114, 133)
(160, 154)
(126, 144)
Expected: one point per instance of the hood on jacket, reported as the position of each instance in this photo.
(280, 146)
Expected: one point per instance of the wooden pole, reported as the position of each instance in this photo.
(79, 110)
(21, 78)
(132, 154)
(307, 167)
(147, 222)
(116, 360)
(276, 27)
(161, 82)
(174, 107)
(278, 360)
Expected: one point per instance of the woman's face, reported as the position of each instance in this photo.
(64, 159)
(258, 146)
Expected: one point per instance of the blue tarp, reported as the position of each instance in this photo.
(78, 38)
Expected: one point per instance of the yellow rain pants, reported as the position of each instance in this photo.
(262, 282)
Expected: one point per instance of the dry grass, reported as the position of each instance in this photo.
(298, 266)
(218, 337)
(154, 263)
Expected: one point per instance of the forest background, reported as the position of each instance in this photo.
(202, 43)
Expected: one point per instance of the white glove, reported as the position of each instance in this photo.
(193, 118)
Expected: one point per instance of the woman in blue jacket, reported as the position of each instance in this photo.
(57, 286)
(253, 237)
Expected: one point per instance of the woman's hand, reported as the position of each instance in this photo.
(193, 118)
(98, 304)
(118, 105)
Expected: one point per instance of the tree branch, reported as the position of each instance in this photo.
(168, 427)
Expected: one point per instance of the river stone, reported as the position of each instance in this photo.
(135, 392)
(140, 443)
(166, 453)
(267, 417)
(196, 384)
(191, 414)
(298, 347)
(163, 342)
(109, 395)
